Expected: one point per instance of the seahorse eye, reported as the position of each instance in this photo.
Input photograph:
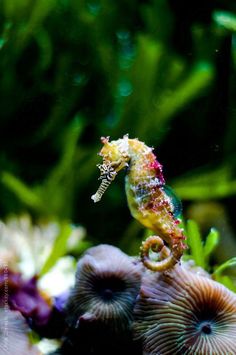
(175, 201)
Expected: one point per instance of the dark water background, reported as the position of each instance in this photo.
(72, 71)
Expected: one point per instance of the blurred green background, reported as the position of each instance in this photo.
(72, 71)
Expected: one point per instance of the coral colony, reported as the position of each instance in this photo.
(129, 305)
(181, 312)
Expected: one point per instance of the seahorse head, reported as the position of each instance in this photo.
(115, 155)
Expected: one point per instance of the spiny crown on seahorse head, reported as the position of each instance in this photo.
(150, 200)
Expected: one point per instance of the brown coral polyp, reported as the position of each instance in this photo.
(180, 312)
(106, 286)
(99, 312)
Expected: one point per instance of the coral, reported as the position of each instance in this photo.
(28, 247)
(100, 307)
(13, 334)
(184, 312)
(24, 296)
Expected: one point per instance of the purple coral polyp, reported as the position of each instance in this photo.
(24, 296)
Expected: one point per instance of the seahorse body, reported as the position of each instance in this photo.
(148, 200)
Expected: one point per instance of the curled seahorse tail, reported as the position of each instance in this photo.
(167, 258)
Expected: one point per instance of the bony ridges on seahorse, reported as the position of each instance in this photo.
(149, 199)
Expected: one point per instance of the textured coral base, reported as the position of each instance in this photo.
(181, 312)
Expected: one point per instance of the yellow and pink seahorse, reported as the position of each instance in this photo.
(150, 200)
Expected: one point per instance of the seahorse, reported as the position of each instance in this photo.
(150, 200)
